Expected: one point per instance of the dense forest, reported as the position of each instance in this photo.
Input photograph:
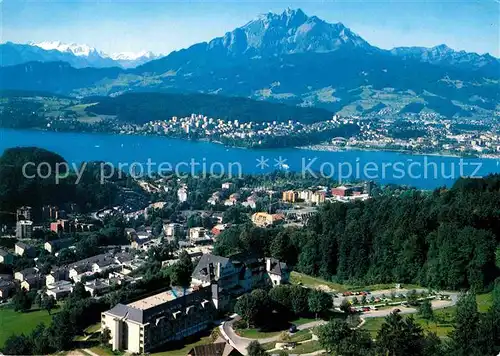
(47, 187)
(445, 239)
(139, 108)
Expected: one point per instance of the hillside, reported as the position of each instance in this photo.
(139, 108)
(295, 59)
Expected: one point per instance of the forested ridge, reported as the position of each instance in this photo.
(139, 108)
(445, 239)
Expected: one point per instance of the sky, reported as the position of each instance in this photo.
(166, 25)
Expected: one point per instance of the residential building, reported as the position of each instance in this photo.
(251, 202)
(198, 234)
(215, 198)
(306, 195)
(290, 196)
(141, 239)
(6, 288)
(227, 185)
(263, 219)
(56, 275)
(62, 226)
(22, 249)
(33, 282)
(50, 212)
(277, 271)
(88, 267)
(55, 245)
(24, 213)
(217, 229)
(318, 197)
(25, 273)
(6, 257)
(97, 287)
(59, 289)
(342, 191)
(182, 194)
(148, 323)
(234, 198)
(24, 229)
(131, 234)
(236, 275)
(173, 230)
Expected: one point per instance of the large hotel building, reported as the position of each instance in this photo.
(151, 322)
(147, 324)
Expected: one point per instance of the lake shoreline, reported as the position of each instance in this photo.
(122, 148)
(316, 147)
(332, 148)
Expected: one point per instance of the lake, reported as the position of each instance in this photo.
(153, 153)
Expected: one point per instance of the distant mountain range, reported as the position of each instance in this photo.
(77, 55)
(295, 59)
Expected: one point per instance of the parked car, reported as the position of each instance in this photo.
(397, 310)
(293, 328)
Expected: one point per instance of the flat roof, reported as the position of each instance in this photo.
(157, 299)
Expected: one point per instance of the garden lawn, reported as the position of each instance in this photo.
(256, 333)
(12, 322)
(314, 282)
(306, 348)
(183, 349)
(444, 318)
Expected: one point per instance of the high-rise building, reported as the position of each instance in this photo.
(24, 213)
(290, 196)
(24, 229)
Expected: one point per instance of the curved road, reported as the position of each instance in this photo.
(241, 343)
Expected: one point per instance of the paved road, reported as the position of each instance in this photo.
(241, 343)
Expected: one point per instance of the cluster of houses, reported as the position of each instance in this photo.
(99, 274)
(343, 193)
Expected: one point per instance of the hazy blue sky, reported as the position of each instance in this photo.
(163, 26)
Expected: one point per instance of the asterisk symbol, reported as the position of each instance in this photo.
(262, 162)
(280, 162)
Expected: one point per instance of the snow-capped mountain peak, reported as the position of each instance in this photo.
(132, 56)
(93, 57)
(81, 50)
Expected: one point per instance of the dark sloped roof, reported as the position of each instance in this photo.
(29, 271)
(122, 311)
(23, 245)
(277, 267)
(217, 349)
(202, 272)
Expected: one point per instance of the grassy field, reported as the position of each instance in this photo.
(256, 333)
(12, 322)
(101, 351)
(300, 278)
(182, 348)
(442, 326)
(484, 302)
(93, 328)
(306, 348)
